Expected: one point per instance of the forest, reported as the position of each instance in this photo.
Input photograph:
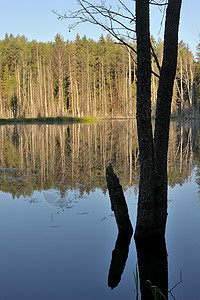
(86, 78)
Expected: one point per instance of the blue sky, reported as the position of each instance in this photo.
(35, 20)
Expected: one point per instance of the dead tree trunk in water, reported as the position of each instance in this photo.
(125, 230)
(118, 202)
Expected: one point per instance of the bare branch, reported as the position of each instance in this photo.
(180, 281)
(155, 74)
(115, 22)
(107, 13)
(128, 10)
(155, 57)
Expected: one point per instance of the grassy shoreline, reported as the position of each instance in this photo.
(75, 120)
(49, 120)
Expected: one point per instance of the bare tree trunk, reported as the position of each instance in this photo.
(146, 200)
(163, 110)
(182, 99)
(192, 87)
(152, 202)
(88, 92)
(125, 88)
(45, 93)
(118, 202)
(95, 98)
(71, 88)
(130, 84)
(32, 106)
(19, 91)
(39, 82)
(24, 87)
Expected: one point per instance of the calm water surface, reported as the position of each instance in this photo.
(57, 230)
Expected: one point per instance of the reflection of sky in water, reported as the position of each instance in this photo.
(58, 245)
(183, 242)
(58, 253)
(51, 252)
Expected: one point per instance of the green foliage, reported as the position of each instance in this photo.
(157, 293)
(197, 76)
(82, 78)
(47, 120)
(198, 52)
(197, 80)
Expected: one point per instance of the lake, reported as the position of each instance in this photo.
(57, 229)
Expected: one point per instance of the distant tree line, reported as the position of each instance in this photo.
(85, 78)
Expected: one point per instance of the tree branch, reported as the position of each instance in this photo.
(115, 22)
(155, 57)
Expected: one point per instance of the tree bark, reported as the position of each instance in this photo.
(163, 110)
(152, 202)
(146, 200)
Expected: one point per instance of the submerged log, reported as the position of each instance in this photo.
(118, 202)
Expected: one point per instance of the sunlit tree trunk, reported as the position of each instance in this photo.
(181, 91)
(18, 89)
(39, 85)
(130, 84)
(45, 93)
(95, 98)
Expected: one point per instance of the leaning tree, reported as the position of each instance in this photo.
(125, 24)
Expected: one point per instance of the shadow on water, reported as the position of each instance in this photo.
(73, 158)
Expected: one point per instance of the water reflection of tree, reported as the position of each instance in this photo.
(151, 250)
(70, 156)
(75, 156)
(180, 154)
(196, 150)
(153, 267)
(119, 258)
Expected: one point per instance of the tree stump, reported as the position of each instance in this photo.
(118, 202)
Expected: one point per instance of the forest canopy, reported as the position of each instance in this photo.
(85, 78)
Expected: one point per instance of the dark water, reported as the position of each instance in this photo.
(57, 230)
